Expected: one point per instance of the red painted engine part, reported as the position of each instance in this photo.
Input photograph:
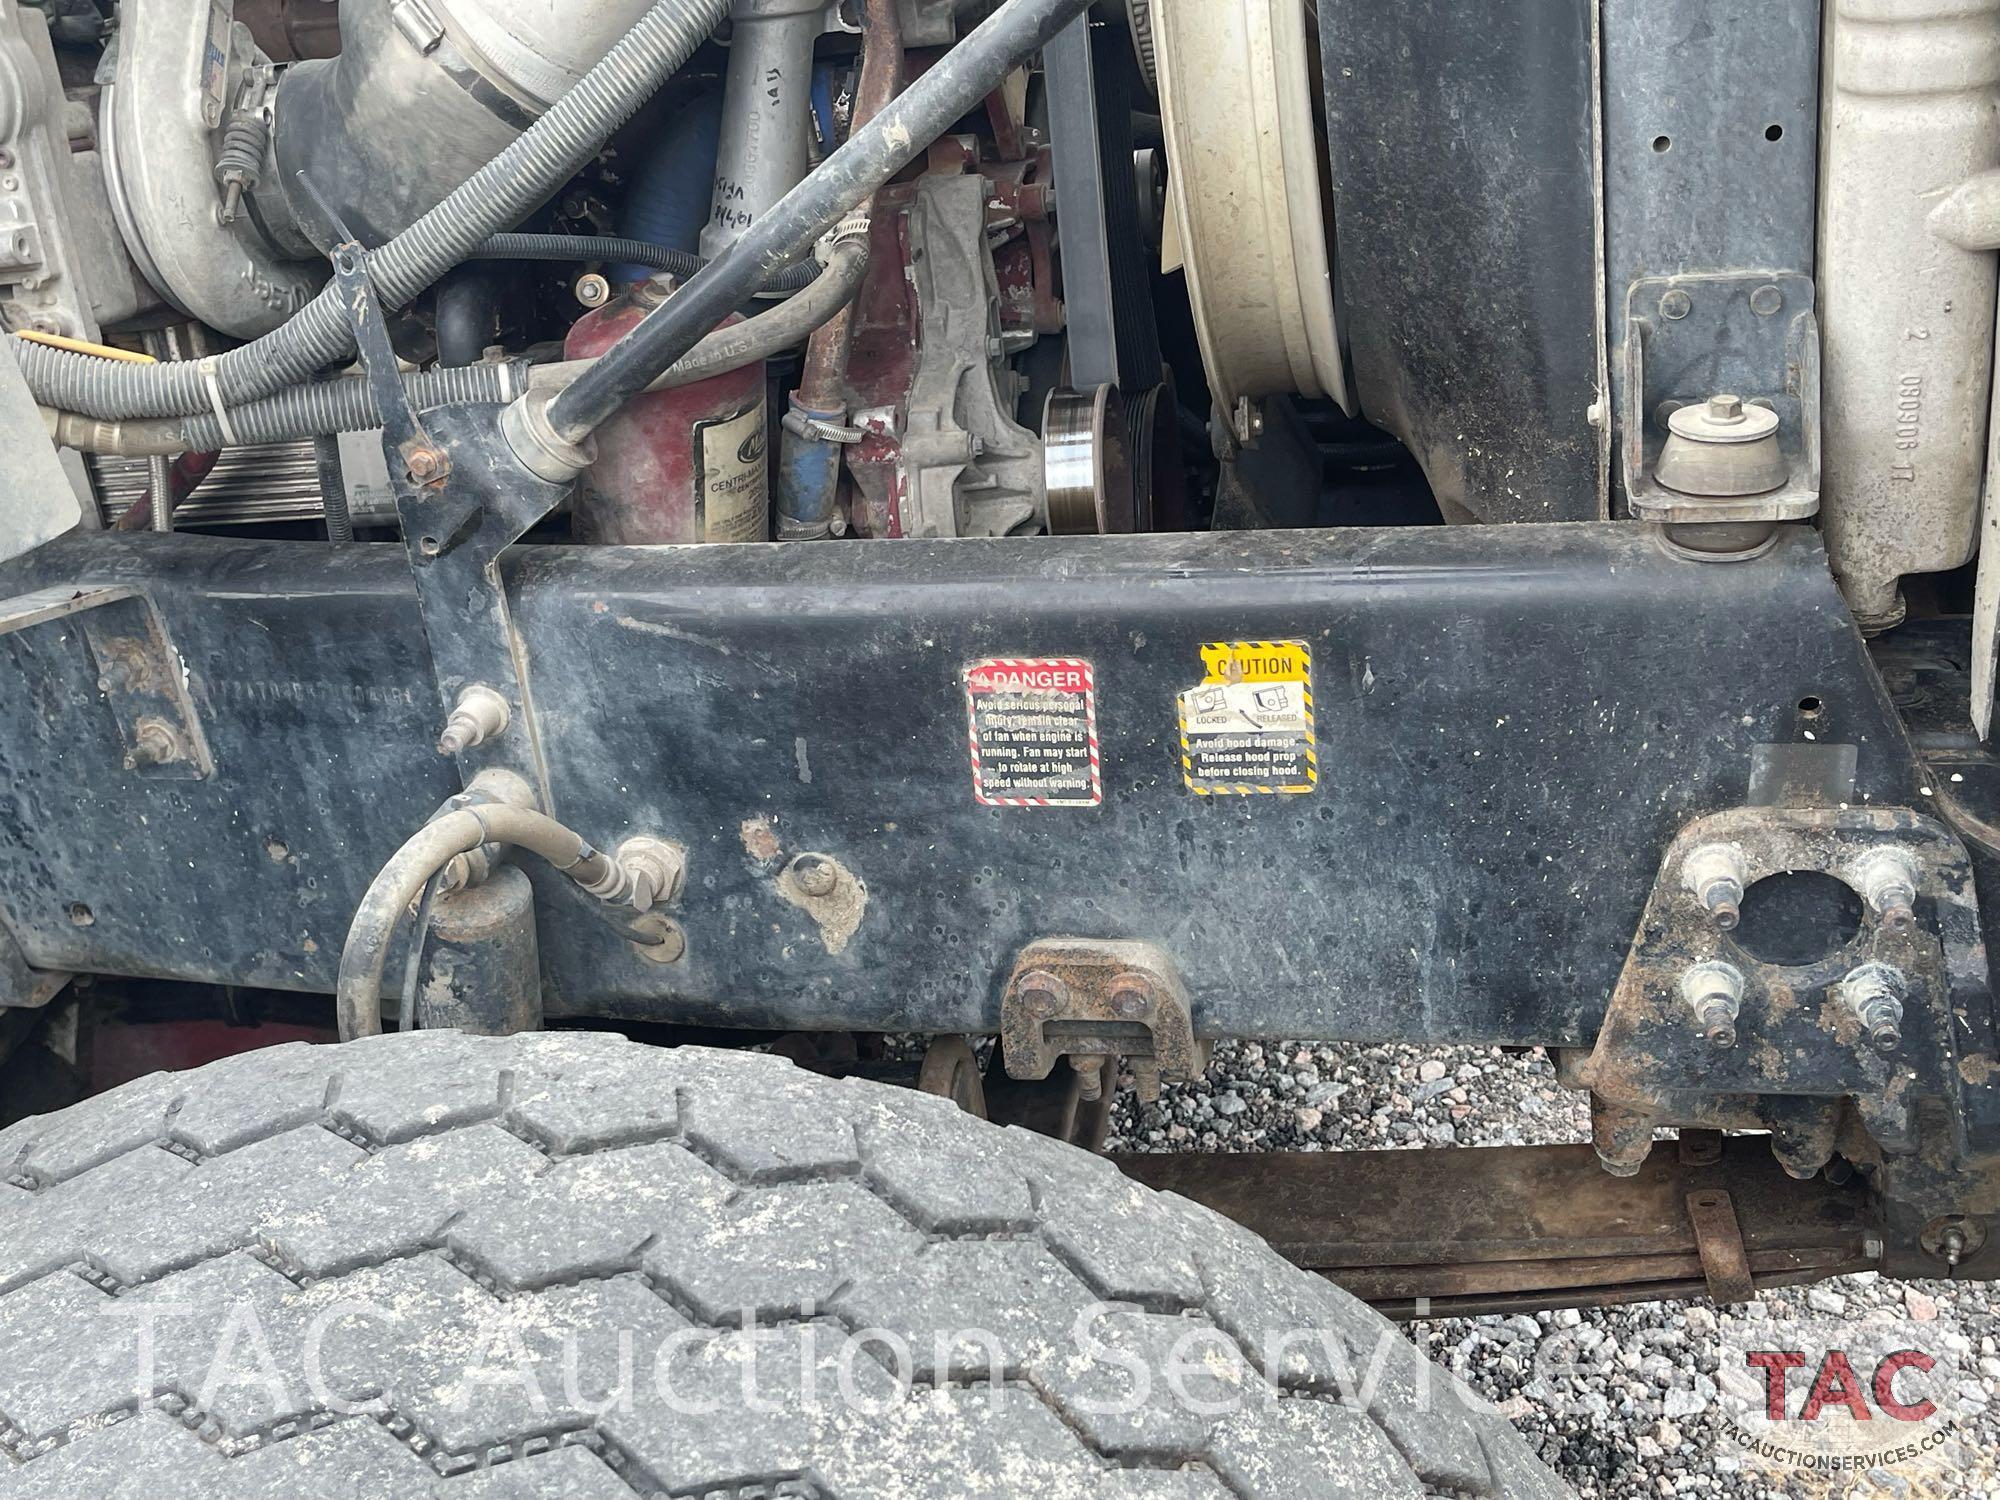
(687, 465)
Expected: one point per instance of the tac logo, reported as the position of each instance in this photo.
(1843, 1397)
(1836, 1385)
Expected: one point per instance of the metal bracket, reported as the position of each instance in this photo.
(1719, 1239)
(139, 672)
(21, 986)
(1071, 997)
(462, 501)
(1702, 1031)
(1754, 334)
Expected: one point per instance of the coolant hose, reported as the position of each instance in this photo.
(580, 247)
(358, 989)
(498, 196)
(952, 88)
(347, 405)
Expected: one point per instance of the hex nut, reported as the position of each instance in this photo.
(1716, 875)
(1887, 879)
(1874, 993)
(1714, 992)
(479, 715)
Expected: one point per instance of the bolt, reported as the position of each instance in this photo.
(593, 290)
(1725, 408)
(1715, 873)
(480, 714)
(424, 464)
(1887, 880)
(656, 868)
(1874, 993)
(1132, 997)
(1675, 306)
(1089, 1077)
(1766, 300)
(1714, 991)
(816, 875)
(155, 742)
(1952, 1245)
(1043, 995)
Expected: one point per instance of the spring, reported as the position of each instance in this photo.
(244, 144)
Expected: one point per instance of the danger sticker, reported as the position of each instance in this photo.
(1247, 726)
(1034, 732)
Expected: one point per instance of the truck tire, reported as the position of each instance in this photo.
(567, 1265)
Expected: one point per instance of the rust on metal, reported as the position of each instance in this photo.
(951, 1071)
(1518, 1228)
(1725, 1261)
(1082, 997)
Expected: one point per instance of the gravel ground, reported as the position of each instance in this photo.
(1621, 1402)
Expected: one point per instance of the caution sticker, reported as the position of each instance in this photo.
(1247, 727)
(1034, 732)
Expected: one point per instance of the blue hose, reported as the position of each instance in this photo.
(670, 197)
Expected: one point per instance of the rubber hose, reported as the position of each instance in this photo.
(953, 87)
(467, 314)
(358, 989)
(754, 340)
(497, 196)
(577, 247)
(344, 405)
(669, 198)
(347, 405)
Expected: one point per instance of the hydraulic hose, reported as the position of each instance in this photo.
(346, 405)
(873, 155)
(358, 989)
(496, 197)
(580, 247)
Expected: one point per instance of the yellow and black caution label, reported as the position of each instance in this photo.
(1247, 726)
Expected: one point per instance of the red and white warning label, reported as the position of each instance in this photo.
(1034, 732)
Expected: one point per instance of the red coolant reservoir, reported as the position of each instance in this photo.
(687, 465)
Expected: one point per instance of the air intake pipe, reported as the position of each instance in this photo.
(424, 94)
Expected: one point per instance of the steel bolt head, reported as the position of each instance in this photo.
(1041, 993)
(1132, 997)
(1726, 408)
(1766, 301)
(1676, 305)
(423, 464)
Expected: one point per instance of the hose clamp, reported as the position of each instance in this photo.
(854, 227)
(540, 449)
